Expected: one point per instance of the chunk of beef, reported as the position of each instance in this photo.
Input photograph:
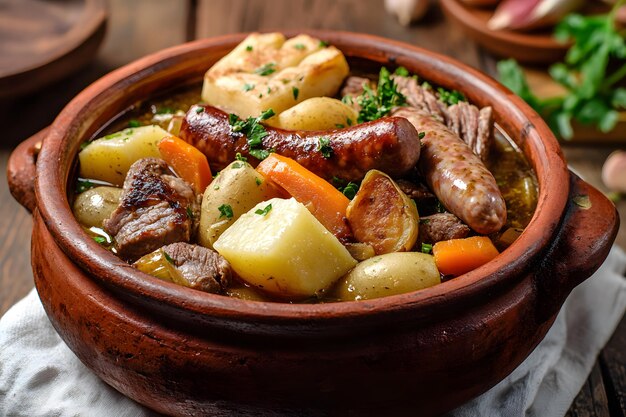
(417, 191)
(441, 226)
(201, 268)
(474, 126)
(156, 208)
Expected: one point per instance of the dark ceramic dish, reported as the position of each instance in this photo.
(184, 352)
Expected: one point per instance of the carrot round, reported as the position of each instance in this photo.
(458, 256)
(324, 201)
(188, 162)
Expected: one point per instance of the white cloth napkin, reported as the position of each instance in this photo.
(40, 376)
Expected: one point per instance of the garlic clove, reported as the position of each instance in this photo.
(614, 172)
(407, 11)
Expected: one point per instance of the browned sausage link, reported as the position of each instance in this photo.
(457, 176)
(389, 144)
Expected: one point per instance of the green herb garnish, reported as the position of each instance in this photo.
(257, 180)
(249, 48)
(339, 126)
(299, 46)
(593, 93)
(295, 91)
(168, 258)
(254, 131)
(323, 44)
(236, 165)
(134, 123)
(189, 213)
(350, 190)
(427, 248)
(263, 212)
(450, 97)
(266, 69)
(225, 211)
(376, 104)
(100, 239)
(349, 121)
(248, 87)
(240, 157)
(83, 185)
(199, 109)
(421, 135)
(324, 147)
(164, 110)
(401, 71)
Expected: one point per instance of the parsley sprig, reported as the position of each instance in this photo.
(254, 131)
(592, 96)
(376, 104)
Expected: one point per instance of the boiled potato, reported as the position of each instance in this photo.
(265, 71)
(237, 189)
(109, 158)
(389, 274)
(317, 113)
(95, 205)
(382, 216)
(281, 248)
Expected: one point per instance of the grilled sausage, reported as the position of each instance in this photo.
(389, 144)
(456, 175)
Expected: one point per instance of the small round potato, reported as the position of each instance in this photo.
(317, 113)
(389, 274)
(95, 205)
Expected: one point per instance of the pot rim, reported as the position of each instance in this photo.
(512, 113)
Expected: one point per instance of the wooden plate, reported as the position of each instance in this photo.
(44, 41)
(534, 47)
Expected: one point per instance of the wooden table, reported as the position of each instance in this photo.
(144, 26)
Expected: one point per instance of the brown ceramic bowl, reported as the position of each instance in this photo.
(185, 352)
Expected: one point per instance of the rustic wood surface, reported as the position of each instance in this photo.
(144, 26)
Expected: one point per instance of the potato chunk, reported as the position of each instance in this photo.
(317, 113)
(237, 189)
(286, 251)
(265, 71)
(109, 158)
(389, 274)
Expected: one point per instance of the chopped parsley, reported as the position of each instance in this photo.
(257, 180)
(299, 46)
(376, 104)
(236, 165)
(450, 97)
(349, 190)
(134, 123)
(264, 211)
(266, 69)
(225, 211)
(323, 44)
(401, 71)
(164, 110)
(427, 248)
(248, 87)
(189, 213)
(240, 157)
(83, 185)
(349, 121)
(295, 91)
(168, 258)
(421, 135)
(113, 135)
(324, 147)
(199, 109)
(339, 126)
(254, 131)
(249, 48)
(346, 100)
(100, 239)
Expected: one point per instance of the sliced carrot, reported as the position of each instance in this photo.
(324, 201)
(458, 256)
(188, 162)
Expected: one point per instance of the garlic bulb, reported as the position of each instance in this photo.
(407, 11)
(531, 14)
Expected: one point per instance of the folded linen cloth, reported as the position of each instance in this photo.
(40, 376)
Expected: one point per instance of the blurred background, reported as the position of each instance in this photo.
(51, 50)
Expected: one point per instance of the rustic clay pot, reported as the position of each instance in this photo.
(185, 352)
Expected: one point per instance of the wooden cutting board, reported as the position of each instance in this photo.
(42, 41)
